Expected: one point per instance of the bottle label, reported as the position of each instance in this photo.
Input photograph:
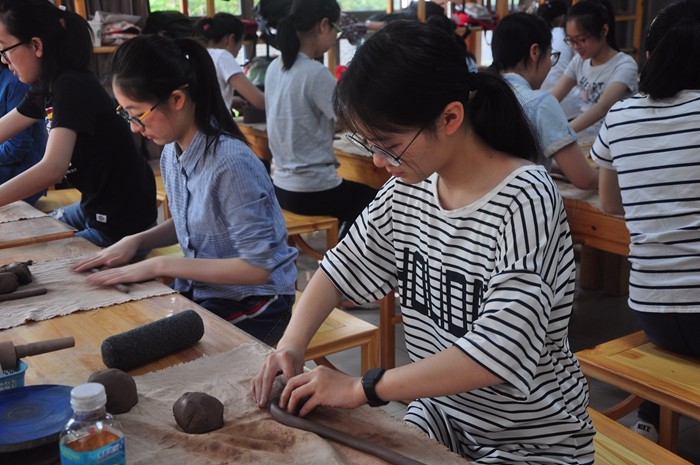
(109, 454)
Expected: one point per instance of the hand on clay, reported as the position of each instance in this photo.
(322, 386)
(286, 361)
(135, 273)
(114, 255)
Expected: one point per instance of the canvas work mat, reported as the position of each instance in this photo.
(68, 292)
(250, 435)
(19, 210)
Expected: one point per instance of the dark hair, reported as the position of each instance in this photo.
(551, 10)
(450, 27)
(303, 15)
(513, 38)
(592, 15)
(670, 67)
(150, 67)
(215, 28)
(66, 37)
(405, 74)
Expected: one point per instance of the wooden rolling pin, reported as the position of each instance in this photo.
(10, 353)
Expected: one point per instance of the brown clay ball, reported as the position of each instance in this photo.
(8, 283)
(20, 270)
(120, 388)
(197, 412)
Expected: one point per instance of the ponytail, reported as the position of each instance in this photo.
(384, 88)
(213, 29)
(303, 16)
(151, 67)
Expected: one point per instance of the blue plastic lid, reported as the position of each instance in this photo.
(33, 415)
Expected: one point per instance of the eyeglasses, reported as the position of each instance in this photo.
(338, 28)
(394, 160)
(137, 120)
(3, 52)
(554, 57)
(577, 40)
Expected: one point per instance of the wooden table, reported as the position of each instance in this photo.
(89, 328)
(60, 248)
(32, 230)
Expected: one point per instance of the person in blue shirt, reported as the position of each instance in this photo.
(522, 53)
(225, 215)
(21, 152)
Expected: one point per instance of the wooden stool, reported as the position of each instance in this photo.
(342, 331)
(615, 444)
(300, 224)
(637, 366)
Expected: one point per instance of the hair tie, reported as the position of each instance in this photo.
(62, 7)
(206, 27)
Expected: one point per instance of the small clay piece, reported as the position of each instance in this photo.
(120, 388)
(8, 283)
(20, 269)
(197, 412)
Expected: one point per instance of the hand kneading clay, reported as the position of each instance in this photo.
(120, 388)
(8, 283)
(197, 412)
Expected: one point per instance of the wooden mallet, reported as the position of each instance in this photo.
(10, 353)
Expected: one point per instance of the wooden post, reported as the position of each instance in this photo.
(211, 9)
(184, 7)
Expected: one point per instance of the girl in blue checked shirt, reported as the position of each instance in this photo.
(225, 215)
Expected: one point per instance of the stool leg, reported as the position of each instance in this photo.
(668, 428)
(387, 308)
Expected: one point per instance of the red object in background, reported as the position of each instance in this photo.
(339, 71)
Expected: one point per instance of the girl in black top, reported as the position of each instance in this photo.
(88, 144)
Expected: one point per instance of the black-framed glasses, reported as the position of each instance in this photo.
(4, 51)
(554, 57)
(394, 160)
(137, 120)
(577, 40)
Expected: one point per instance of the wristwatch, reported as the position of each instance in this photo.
(369, 382)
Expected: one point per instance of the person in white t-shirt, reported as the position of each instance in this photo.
(222, 34)
(554, 12)
(602, 72)
(649, 172)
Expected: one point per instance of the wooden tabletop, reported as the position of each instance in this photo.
(89, 328)
(32, 230)
(60, 248)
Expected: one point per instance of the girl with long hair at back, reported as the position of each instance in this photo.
(649, 163)
(474, 236)
(300, 119)
(225, 216)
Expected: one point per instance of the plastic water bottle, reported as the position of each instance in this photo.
(91, 436)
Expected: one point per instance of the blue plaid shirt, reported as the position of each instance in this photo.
(223, 205)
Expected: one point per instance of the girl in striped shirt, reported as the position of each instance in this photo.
(649, 156)
(474, 236)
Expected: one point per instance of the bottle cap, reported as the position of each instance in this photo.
(88, 396)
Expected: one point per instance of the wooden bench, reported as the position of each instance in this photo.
(637, 366)
(615, 444)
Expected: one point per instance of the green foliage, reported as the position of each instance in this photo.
(199, 7)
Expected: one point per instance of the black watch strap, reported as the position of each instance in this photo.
(369, 383)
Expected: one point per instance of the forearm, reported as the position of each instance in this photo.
(211, 270)
(589, 117)
(26, 184)
(316, 303)
(609, 192)
(435, 376)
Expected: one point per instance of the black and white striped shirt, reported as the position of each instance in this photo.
(654, 145)
(496, 279)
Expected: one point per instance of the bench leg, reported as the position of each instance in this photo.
(668, 429)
